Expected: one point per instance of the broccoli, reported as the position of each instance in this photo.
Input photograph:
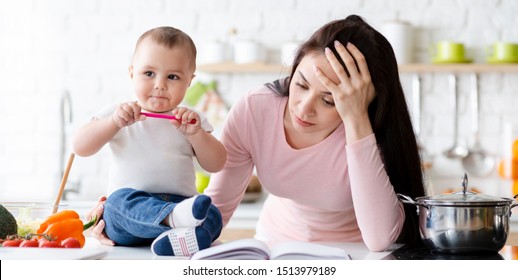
(8, 224)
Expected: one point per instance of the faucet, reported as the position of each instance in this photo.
(65, 121)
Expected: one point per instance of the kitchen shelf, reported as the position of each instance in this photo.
(459, 68)
(228, 67)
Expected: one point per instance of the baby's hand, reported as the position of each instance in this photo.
(98, 230)
(127, 114)
(183, 124)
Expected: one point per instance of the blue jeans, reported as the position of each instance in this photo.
(134, 217)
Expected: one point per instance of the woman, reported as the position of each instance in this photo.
(332, 144)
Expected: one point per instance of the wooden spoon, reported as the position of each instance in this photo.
(63, 183)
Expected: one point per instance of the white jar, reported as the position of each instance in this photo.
(288, 52)
(248, 51)
(213, 52)
(400, 36)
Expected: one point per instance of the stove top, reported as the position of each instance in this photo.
(423, 253)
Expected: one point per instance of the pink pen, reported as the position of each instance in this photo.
(162, 116)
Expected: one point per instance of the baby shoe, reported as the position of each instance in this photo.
(181, 242)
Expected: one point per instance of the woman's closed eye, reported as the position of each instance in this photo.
(301, 85)
(328, 101)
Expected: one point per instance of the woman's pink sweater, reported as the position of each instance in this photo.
(329, 192)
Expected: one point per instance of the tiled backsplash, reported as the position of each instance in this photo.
(84, 47)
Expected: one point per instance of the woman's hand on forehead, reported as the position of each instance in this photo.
(355, 91)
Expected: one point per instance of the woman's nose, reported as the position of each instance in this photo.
(307, 105)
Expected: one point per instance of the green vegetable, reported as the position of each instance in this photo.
(8, 224)
(26, 223)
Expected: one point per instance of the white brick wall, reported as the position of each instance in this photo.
(84, 46)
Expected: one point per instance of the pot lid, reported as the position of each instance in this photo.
(464, 198)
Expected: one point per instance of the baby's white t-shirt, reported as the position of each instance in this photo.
(153, 156)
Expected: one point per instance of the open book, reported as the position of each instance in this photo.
(253, 249)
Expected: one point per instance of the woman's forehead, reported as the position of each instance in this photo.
(319, 60)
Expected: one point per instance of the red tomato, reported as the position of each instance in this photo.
(71, 242)
(12, 243)
(44, 243)
(41, 241)
(29, 243)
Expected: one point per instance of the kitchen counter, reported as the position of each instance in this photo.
(94, 250)
(358, 251)
(242, 225)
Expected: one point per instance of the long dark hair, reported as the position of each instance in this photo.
(388, 112)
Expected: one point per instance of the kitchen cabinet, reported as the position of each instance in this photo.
(232, 68)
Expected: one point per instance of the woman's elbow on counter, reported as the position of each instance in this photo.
(382, 239)
(378, 245)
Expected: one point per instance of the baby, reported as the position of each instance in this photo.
(152, 194)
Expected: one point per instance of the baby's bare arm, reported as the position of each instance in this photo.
(94, 135)
(210, 152)
(90, 138)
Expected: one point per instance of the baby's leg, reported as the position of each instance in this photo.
(133, 217)
(190, 212)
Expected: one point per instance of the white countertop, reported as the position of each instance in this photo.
(94, 250)
(358, 251)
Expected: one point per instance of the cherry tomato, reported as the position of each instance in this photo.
(29, 243)
(71, 242)
(12, 243)
(44, 243)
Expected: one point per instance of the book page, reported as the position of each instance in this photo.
(243, 249)
(297, 250)
(253, 249)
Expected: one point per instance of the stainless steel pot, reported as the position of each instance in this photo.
(463, 222)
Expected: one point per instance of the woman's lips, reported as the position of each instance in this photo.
(303, 123)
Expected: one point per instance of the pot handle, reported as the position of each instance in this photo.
(406, 199)
(513, 205)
